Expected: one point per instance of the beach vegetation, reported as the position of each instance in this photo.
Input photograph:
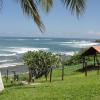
(78, 59)
(75, 86)
(40, 63)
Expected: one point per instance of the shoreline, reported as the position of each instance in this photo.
(23, 68)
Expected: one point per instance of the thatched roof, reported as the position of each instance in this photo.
(92, 51)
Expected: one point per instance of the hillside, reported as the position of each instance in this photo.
(74, 87)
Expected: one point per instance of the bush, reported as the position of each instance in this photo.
(77, 58)
(40, 62)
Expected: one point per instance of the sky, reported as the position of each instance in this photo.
(59, 22)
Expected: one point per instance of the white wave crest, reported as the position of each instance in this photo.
(36, 39)
(4, 61)
(71, 53)
(10, 65)
(79, 44)
(21, 50)
(7, 55)
(21, 39)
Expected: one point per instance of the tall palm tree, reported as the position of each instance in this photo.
(31, 8)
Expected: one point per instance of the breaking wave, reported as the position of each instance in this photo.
(10, 65)
(78, 44)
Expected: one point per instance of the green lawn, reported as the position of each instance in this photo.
(74, 87)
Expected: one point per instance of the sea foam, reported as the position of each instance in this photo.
(78, 44)
(10, 65)
(7, 55)
(21, 50)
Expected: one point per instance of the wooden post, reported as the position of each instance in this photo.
(94, 60)
(98, 66)
(62, 72)
(98, 70)
(85, 68)
(83, 64)
(14, 75)
(50, 74)
(30, 75)
(46, 76)
(7, 76)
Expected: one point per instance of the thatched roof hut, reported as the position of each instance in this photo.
(92, 51)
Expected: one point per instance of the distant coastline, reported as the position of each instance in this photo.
(97, 40)
(13, 48)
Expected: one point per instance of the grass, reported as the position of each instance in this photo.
(74, 87)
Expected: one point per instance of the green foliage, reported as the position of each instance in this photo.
(77, 58)
(75, 86)
(40, 62)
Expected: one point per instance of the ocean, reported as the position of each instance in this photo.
(12, 48)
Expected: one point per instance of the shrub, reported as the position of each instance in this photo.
(40, 63)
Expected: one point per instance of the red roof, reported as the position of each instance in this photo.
(97, 48)
(92, 51)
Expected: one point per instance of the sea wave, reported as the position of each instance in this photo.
(10, 65)
(71, 53)
(84, 45)
(7, 55)
(37, 39)
(4, 61)
(47, 39)
(78, 44)
(22, 39)
(21, 50)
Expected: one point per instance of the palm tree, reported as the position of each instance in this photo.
(31, 8)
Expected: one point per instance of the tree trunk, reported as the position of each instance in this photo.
(7, 76)
(30, 75)
(46, 77)
(50, 74)
(83, 64)
(85, 68)
(62, 72)
(94, 60)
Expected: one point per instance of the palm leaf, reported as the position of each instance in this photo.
(46, 4)
(30, 8)
(76, 6)
(1, 4)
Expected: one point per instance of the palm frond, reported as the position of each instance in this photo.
(76, 6)
(30, 8)
(1, 4)
(46, 4)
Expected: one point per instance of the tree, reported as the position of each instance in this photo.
(40, 63)
(31, 8)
